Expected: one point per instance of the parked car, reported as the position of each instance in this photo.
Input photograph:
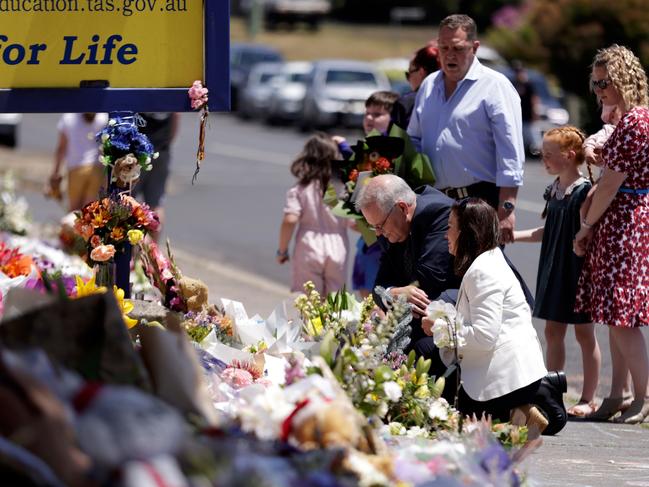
(285, 103)
(242, 58)
(9, 123)
(336, 92)
(290, 12)
(255, 94)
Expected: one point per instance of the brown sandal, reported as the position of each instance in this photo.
(582, 409)
(529, 415)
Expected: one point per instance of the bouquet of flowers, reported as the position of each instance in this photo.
(447, 324)
(332, 313)
(373, 156)
(14, 215)
(383, 383)
(106, 225)
(125, 151)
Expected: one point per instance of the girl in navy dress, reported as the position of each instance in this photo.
(559, 267)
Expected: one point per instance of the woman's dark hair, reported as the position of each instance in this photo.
(426, 58)
(314, 162)
(479, 231)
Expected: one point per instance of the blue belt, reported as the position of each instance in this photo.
(624, 189)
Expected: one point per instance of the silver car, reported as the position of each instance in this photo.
(254, 96)
(336, 93)
(285, 103)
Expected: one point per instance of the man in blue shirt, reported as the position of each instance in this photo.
(467, 120)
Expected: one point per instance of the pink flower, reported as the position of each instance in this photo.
(95, 241)
(237, 378)
(198, 95)
(102, 253)
(129, 200)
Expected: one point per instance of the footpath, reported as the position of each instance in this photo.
(584, 454)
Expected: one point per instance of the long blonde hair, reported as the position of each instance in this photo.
(627, 74)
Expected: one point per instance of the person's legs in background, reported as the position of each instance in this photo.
(555, 355)
(591, 360)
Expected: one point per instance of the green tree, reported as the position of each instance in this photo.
(562, 36)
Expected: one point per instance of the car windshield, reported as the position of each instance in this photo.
(340, 76)
(298, 77)
(266, 77)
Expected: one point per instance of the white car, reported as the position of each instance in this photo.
(9, 128)
(285, 103)
(336, 93)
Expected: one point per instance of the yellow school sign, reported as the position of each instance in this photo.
(104, 43)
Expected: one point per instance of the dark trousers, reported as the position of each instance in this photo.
(500, 407)
(491, 194)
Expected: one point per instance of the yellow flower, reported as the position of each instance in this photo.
(135, 236)
(87, 288)
(316, 326)
(125, 306)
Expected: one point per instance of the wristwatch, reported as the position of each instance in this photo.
(508, 206)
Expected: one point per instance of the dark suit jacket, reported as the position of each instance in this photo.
(432, 265)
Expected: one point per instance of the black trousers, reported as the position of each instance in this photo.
(500, 407)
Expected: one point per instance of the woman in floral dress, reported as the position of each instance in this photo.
(614, 234)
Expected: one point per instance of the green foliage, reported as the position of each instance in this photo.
(562, 36)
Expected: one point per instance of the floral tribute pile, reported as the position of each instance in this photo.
(319, 393)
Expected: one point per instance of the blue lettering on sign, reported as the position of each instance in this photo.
(96, 52)
(13, 54)
(125, 54)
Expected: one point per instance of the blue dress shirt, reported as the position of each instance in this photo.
(476, 134)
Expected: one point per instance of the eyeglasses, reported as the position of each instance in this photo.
(602, 84)
(379, 227)
(410, 71)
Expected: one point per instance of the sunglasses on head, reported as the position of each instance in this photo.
(602, 84)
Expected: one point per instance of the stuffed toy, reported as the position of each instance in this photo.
(126, 171)
(195, 294)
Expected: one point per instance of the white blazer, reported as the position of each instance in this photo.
(502, 351)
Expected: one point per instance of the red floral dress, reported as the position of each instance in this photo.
(614, 284)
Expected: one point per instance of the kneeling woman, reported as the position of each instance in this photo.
(501, 362)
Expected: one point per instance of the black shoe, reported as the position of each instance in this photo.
(549, 400)
(558, 379)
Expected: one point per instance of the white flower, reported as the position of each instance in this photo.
(416, 432)
(442, 333)
(382, 410)
(112, 122)
(438, 410)
(396, 429)
(441, 309)
(156, 155)
(104, 137)
(148, 160)
(392, 390)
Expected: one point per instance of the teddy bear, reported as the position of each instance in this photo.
(126, 171)
(194, 293)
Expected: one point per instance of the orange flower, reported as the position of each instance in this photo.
(117, 234)
(99, 218)
(19, 266)
(102, 253)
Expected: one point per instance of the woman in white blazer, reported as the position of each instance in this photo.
(501, 360)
